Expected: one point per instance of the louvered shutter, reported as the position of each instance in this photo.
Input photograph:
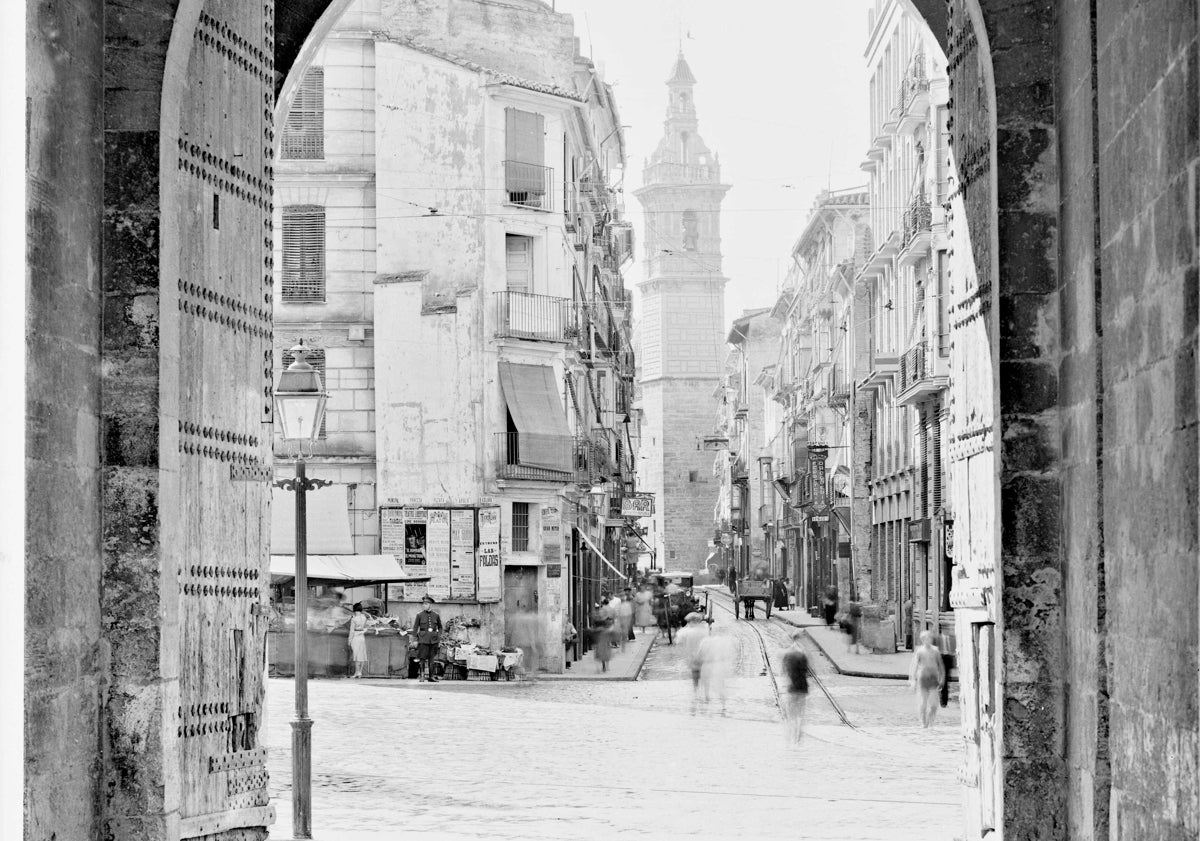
(316, 358)
(304, 254)
(304, 130)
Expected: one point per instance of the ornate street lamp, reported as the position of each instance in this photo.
(299, 408)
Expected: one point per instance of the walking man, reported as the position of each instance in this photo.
(795, 669)
(926, 677)
(428, 629)
(689, 640)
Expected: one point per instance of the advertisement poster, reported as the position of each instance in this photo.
(391, 532)
(437, 552)
(462, 554)
(415, 521)
(488, 583)
(551, 517)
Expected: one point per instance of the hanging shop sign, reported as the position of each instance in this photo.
(437, 552)
(488, 562)
(637, 505)
(462, 553)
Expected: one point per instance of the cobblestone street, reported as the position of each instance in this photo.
(608, 759)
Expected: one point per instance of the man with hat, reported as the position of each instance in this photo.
(428, 628)
(689, 639)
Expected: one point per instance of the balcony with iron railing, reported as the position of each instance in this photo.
(839, 386)
(535, 318)
(917, 230)
(916, 381)
(529, 185)
(539, 458)
(884, 366)
(914, 96)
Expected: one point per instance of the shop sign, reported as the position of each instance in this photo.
(637, 505)
(554, 570)
(462, 554)
(820, 518)
(488, 580)
(726, 538)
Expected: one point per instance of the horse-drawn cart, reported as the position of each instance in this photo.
(749, 591)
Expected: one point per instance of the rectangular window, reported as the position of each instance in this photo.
(942, 152)
(527, 180)
(520, 526)
(304, 129)
(303, 254)
(519, 256)
(693, 475)
(316, 358)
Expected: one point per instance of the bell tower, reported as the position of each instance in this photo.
(682, 328)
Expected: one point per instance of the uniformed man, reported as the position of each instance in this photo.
(428, 629)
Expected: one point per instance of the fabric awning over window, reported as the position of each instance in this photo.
(542, 435)
(350, 570)
(327, 515)
(596, 549)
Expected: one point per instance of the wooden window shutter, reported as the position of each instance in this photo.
(304, 129)
(524, 137)
(304, 254)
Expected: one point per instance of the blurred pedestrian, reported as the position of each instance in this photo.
(689, 638)
(850, 621)
(526, 635)
(830, 603)
(602, 643)
(428, 629)
(358, 639)
(716, 659)
(779, 594)
(625, 618)
(795, 669)
(643, 611)
(731, 578)
(927, 676)
(569, 637)
(947, 664)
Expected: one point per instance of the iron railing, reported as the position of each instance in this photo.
(918, 219)
(529, 185)
(912, 367)
(536, 457)
(538, 318)
(839, 386)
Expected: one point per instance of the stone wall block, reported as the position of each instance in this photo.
(1029, 516)
(1028, 386)
(1027, 445)
(1033, 811)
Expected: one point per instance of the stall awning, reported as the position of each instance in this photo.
(327, 515)
(593, 547)
(711, 555)
(344, 569)
(532, 397)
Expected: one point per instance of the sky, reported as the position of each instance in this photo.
(782, 97)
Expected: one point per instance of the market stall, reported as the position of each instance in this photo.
(329, 617)
(463, 653)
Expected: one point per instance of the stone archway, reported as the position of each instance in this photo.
(1072, 285)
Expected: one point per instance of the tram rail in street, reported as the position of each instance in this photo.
(783, 626)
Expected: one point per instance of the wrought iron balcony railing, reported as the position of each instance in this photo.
(918, 219)
(529, 185)
(912, 367)
(544, 458)
(538, 318)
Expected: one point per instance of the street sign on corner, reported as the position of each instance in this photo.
(637, 505)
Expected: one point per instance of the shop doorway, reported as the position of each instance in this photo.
(520, 597)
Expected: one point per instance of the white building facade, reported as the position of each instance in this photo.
(451, 246)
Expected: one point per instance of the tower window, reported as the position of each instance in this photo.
(303, 254)
(693, 475)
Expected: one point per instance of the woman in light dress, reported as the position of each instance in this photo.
(643, 611)
(358, 639)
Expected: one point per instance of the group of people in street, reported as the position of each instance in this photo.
(614, 620)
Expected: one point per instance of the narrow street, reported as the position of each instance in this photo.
(608, 759)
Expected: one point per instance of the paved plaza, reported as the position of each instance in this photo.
(620, 758)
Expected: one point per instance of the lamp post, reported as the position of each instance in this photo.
(299, 407)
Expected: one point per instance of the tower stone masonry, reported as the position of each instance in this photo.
(682, 328)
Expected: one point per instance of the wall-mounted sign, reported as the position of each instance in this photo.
(637, 505)
(437, 552)
(554, 570)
